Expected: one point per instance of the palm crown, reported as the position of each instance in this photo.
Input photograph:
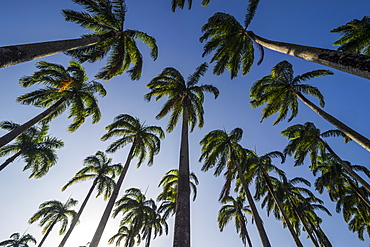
(105, 16)
(18, 241)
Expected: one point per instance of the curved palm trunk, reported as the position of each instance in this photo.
(10, 160)
(108, 209)
(282, 211)
(354, 135)
(181, 236)
(77, 217)
(5, 139)
(355, 64)
(346, 167)
(15, 54)
(47, 233)
(259, 223)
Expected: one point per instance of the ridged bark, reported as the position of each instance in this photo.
(355, 64)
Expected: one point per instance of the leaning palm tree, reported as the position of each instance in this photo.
(185, 99)
(145, 141)
(98, 168)
(280, 90)
(307, 139)
(105, 18)
(34, 146)
(16, 240)
(221, 150)
(64, 88)
(233, 46)
(52, 212)
(235, 210)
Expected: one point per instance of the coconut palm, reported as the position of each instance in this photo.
(258, 167)
(236, 210)
(125, 233)
(145, 141)
(105, 18)
(221, 150)
(98, 168)
(280, 90)
(16, 240)
(355, 36)
(307, 139)
(64, 88)
(52, 212)
(34, 146)
(180, 4)
(232, 44)
(185, 99)
(141, 215)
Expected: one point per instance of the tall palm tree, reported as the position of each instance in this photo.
(145, 141)
(35, 146)
(141, 215)
(237, 211)
(64, 88)
(355, 36)
(280, 90)
(98, 168)
(180, 4)
(232, 43)
(306, 139)
(185, 99)
(52, 212)
(16, 240)
(259, 168)
(221, 150)
(105, 18)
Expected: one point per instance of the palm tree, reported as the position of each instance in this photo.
(35, 146)
(105, 18)
(259, 167)
(185, 99)
(140, 214)
(237, 211)
(16, 240)
(279, 92)
(64, 87)
(99, 169)
(221, 150)
(52, 212)
(127, 233)
(233, 47)
(306, 139)
(145, 140)
(355, 36)
(180, 4)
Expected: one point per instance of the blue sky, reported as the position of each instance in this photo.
(177, 35)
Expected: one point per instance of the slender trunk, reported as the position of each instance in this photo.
(181, 236)
(15, 54)
(346, 166)
(244, 227)
(77, 217)
(108, 209)
(308, 228)
(47, 233)
(5, 139)
(355, 64)
(354, 135)
(282, 211)
(321, 234)
(259, 223)
(10, 160)
(355, 188)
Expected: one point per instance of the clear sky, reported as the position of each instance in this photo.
(177, 35)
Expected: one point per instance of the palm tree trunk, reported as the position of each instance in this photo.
(259, 223)
(181, 236)
(10, 160)
(77, 217)
(47, 233)
(355, 64)
(355, 188)
(5, 139)
(15, 54)
(354, 135)
(308, 229)
(245, 231)
(108, 209)
(282, 211)
(346, 167)
(321, 234)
